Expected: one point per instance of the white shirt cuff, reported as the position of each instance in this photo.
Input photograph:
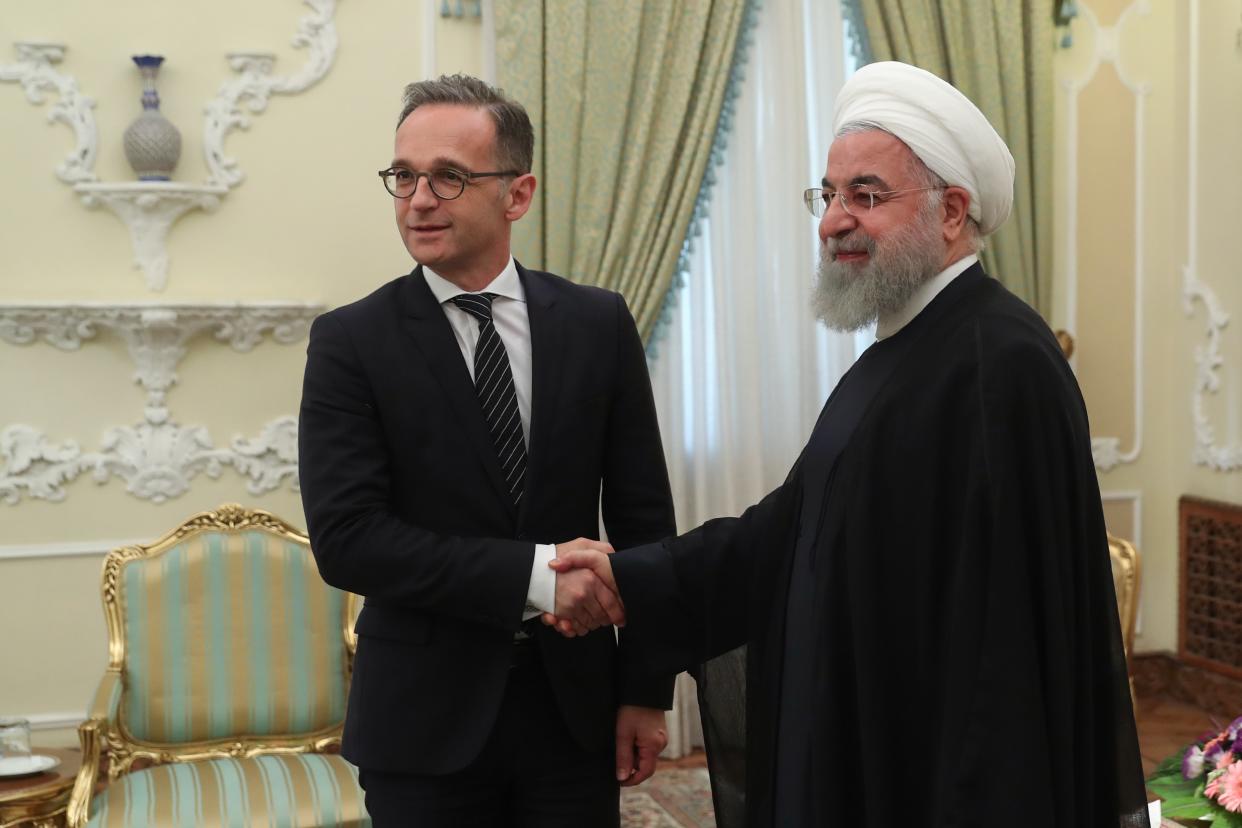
(541, 594)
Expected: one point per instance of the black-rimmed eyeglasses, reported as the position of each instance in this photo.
(446, 183)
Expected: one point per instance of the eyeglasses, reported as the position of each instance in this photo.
(446, 183)
(857, 200)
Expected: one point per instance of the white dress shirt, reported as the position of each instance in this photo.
(890, 324)
(513, 326)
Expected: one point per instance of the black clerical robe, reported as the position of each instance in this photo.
(925, 607)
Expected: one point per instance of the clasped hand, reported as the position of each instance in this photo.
(586, 594)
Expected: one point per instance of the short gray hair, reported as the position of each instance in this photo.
(922, 174)
(515, 138)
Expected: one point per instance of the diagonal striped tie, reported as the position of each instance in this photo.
(493, 382)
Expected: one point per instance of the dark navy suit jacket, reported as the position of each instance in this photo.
(406, 506)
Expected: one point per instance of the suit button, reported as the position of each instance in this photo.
(521, 536)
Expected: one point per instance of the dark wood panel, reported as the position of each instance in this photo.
(1210, 586)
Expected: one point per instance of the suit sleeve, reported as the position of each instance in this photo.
(691, 598)
(359, 543)
(637, 500)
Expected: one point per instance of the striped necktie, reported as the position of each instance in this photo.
(493, 382)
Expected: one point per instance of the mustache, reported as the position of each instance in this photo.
(857, 241)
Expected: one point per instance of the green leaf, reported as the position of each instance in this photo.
(1172, 788)
(1172, 776)
(1186, 807)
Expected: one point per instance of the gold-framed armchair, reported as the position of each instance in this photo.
(1125, 561)
(223, 701)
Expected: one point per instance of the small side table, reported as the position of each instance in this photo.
(40, 800)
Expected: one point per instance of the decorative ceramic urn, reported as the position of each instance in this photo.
(152, 143)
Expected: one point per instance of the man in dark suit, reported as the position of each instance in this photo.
(455, 424)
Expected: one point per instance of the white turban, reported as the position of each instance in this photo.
(944, 129)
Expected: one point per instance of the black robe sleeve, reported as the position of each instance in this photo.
(693, 602)
(691, 598)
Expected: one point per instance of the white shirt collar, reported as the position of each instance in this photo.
(894, 322)
(505, 284)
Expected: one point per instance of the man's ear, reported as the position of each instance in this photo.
(956, 206)
(521, 194)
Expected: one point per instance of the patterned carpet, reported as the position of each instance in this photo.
(673, 798)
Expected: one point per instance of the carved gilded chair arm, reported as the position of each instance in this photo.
(107, 701)
(99, 716)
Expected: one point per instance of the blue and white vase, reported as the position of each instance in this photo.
(152, 143)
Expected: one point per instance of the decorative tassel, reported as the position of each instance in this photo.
(462, 8)
(1062, 14)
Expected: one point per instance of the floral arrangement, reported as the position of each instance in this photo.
(1202, 785)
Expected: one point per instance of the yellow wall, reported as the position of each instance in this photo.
(310, 223)
(1126, 195)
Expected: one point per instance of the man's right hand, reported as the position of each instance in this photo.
(586, 594)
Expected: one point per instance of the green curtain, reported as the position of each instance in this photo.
(999, 53)
(625, 98)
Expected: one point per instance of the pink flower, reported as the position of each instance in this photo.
(1213, 784)
(1230, 788)
(1224, 760)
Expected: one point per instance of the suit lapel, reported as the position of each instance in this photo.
(425, 322)
(546, 340)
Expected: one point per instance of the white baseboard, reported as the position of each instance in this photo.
(72, 549)
(54, 721)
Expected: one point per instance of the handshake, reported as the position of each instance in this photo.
(586, 593)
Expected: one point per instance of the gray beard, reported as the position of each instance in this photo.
(850, 297)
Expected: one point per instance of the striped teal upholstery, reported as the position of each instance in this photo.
(281, 791)
(227, 634)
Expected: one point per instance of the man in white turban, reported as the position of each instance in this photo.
(927, 602)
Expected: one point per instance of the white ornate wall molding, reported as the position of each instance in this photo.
(1208, 361)
(157, 461)
(157, 457)
(428, 50)
(255, 83)
(149, 209)
(1207, 356)
(488, 14)
(34, 72)
(1106, 451)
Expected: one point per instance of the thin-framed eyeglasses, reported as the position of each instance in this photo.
(446, 183)
(857, 200)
